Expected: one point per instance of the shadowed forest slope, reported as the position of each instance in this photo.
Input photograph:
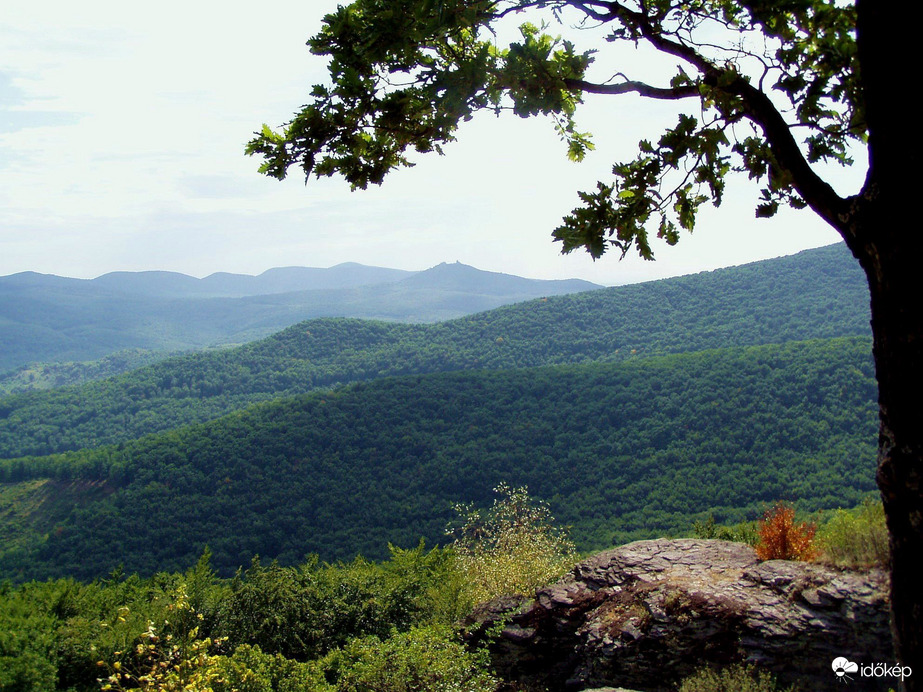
(815, 294)
(620, 450)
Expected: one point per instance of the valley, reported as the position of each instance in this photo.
(634, 411)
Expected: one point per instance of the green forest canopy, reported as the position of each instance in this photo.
(815, 294)
(619, 450)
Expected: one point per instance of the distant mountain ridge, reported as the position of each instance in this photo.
(448, 276)
(217, 285)
(271, 281)
(818, 293)
(47, 318)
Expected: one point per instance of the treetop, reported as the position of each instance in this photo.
(763, 87)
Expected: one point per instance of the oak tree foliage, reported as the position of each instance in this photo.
(404, 75)
(766, 88)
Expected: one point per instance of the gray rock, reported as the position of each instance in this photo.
(650, 613)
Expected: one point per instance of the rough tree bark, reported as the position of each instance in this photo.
(879, 230)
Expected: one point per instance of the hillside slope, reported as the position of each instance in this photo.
(619, 450)
(44, 376)
(50, 318)
(815, 294)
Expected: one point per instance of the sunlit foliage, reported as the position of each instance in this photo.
(856, 538)
(511, 548)
(781, 538)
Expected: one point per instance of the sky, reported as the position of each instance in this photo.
(122, 133)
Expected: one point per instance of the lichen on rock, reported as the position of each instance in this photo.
(647, 614)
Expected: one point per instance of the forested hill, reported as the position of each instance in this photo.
(815, 294)
(51, 318)
(43, 376)
(619, 450)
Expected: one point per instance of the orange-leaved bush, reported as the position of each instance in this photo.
(780, 538)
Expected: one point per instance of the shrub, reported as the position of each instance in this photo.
(856, 539)
(780, 538)
(169, 658)
(304, 612)
(424, 659)
(27, 672)
(737, 678)
(512, 548)
(744, 532)
(251, 670)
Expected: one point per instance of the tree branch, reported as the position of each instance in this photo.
(640, 88)
(759, 109)
(517, 7)
(594, 14)
(641, 23)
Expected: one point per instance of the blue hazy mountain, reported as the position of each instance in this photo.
(47, 318)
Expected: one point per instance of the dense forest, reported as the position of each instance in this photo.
(815, 294)
(44, 376)
(182, 515)
(619, 450)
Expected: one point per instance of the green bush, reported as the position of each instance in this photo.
(252, 670)
(63, 628)
(304, 612)
(171, 656)
(856, 539)
(736, 678)
(27, 659)
(744, 532)
(434, 588)
(27, 672)
(512, 548)
(424, 659)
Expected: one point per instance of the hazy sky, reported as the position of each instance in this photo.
(122, 128)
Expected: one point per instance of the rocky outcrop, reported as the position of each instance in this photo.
(646, 615)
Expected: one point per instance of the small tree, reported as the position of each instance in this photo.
(512, 548)
(169, 658)
(857, 539)
(780, 538)
(736, 678)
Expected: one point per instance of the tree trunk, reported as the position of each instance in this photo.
(884, 239)
(878, 237)
(896, 325)
(896, 287)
